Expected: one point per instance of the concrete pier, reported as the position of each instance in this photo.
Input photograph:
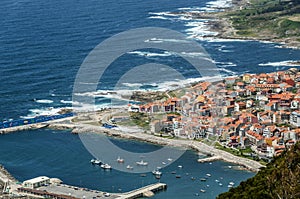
(146, 191)
(209, 159)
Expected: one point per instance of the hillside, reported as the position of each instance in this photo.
(280, 179)
(275, 20)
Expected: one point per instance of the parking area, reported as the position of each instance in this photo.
(77, 192)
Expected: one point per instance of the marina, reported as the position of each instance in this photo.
(63, 191)
(95, 178)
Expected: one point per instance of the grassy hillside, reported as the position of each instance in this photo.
(267, 19)
(280, 179)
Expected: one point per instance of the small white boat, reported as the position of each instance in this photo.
(129, 167)
(96, 161)
(105, 166)
(220, 184)
(209, 175)
(229, 186)
(156, 172)
(163, 163)
(180, 166)
(229, 167)
(142, 163)
(217, 180)
(170, 159)
(120, 160)
(202, 190)
(231, 183)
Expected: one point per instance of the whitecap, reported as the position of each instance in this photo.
(66, 101)
(290, 63)
(44, 101)
(159, 17)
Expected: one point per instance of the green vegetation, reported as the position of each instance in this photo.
(240, 152)
(141, 119)
(280, 179)
(268, 19)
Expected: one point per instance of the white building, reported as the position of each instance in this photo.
(295, 118)
(36, 182)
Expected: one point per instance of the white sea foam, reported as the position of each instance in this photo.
(291, 63)
(219, 4)
(159, 17)
(45, 111)
(163, 14)
(150, 54)
(66, 101)
(44, 101)
(225, 64)
(157, 40)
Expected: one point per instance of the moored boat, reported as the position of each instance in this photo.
(96, 161)
(120, 160)
(105, 166)
(142, 163)
(156, 172)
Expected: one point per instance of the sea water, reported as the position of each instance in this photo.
(43, 44)
(60, 154)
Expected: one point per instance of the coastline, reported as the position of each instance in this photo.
(221, 24)
(146, 137)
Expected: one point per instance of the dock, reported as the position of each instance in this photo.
(146, 191)
(209, 159)
(32, 123)
(44, 186)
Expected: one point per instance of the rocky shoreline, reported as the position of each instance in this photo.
(220, 23)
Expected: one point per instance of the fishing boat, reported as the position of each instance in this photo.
(96, 161)
(105, 166)
(157, 176)
(142, 163)
(156, 172)
(120, 160)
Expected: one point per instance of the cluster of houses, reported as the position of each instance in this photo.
(259, 111)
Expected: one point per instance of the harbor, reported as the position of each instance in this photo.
(45, 187)
(32, 123)
(64, 122)
(77, 170)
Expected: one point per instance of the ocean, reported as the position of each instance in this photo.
(42, 46)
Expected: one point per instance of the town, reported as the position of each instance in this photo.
(255, 114)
